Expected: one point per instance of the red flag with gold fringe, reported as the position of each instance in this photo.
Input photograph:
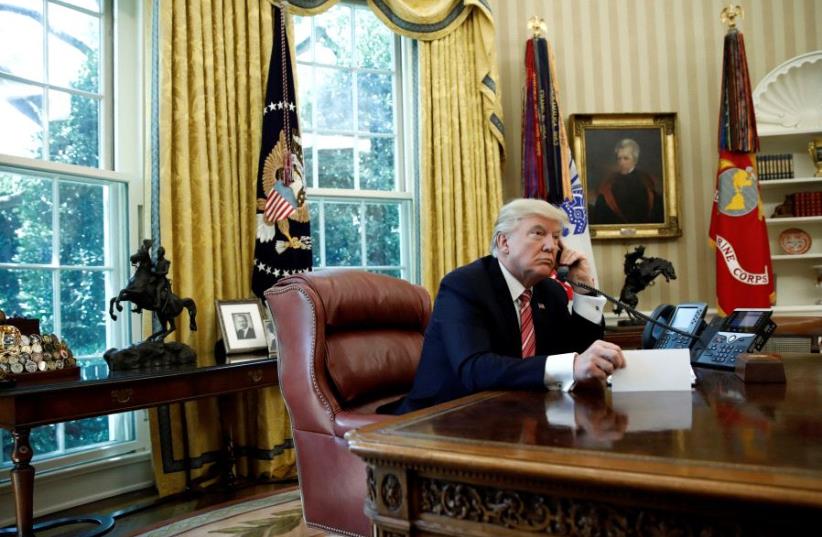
(744, 275)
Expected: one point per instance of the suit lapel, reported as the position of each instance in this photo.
(505, 306)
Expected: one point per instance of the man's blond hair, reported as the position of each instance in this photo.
(512, 212)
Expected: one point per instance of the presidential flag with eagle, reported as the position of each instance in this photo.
(283, 242)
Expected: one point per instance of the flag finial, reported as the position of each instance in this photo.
(537, 26)
(729, 15)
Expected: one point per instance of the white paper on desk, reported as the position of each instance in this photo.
(653, 370)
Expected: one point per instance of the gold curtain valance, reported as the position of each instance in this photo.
(425, 20)
(306, 8)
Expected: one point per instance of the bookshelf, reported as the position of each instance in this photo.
(788, 101)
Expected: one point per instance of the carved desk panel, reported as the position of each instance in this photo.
(725, 459)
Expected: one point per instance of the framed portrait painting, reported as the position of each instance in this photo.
(629, 170)
(241, 325)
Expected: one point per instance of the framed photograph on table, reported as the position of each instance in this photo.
(241, 324)
(630, 173)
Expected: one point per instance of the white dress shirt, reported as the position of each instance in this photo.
(559, 368)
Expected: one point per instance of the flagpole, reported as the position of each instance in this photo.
(738, 232)
(548, 168)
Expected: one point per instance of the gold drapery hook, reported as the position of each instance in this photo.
(537, 26)
(729, 15)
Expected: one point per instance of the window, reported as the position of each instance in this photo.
(63, 212)
(352, 105)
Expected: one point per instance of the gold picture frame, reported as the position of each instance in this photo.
(628, 199)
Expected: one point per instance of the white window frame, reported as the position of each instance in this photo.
(84, 475)
(406, 191)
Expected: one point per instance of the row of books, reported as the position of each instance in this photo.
(803, 204)
(774, 166)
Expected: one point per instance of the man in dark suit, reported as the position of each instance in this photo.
(244, 331)
(501, 322)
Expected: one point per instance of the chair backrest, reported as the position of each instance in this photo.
(345, 337)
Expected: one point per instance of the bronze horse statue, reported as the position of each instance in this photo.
(149, 289)
(640, 272)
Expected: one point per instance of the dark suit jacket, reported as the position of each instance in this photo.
(473, 341)
(248, 333)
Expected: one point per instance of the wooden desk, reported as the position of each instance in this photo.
(734, 459)
(101, 392)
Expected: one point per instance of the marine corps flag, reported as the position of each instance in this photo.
(548, 168)
(283, 244)
(744, 276)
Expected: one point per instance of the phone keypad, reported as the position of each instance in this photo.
(673, 341)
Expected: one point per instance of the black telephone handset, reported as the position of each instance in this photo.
(725, 338)
(684, 317)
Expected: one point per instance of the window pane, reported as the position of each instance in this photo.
(21, 112)
(74, 46)
(335, 155)
(308, 159)
(305, 82)
(334, 100)
(25, 219)
(333, 33)
(376, 106)
(382, 229)
(342, 235)
(91, 5)
(6, 442)
(28, 293)
(375, 42)
(82, 310)
(316, 245)
(81, 224)
(73, 129)
(396, 273)
(42, 439)
(85, 432)
(21, 38)
(377, 163)
(302, 37)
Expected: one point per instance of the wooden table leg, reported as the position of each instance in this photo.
(22, 481)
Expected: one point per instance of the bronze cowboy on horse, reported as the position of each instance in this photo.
(149, 289)
(640, 272)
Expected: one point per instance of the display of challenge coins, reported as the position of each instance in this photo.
(23, 355)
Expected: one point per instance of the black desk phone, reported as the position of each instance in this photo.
(726, 338)
(684, 317)
(719, 343)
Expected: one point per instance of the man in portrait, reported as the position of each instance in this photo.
(242, 323)
(629, 195)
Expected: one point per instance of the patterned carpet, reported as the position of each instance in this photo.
(277, 515)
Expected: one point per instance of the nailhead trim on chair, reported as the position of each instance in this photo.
(314, 383)
(327, 528)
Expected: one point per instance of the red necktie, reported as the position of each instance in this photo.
(529, 341)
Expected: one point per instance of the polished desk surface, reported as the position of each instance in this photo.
(724, 439)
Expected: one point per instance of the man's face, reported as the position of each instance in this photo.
(625, 161)
(242, 322)
(529, 251)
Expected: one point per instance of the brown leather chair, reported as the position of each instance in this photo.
(349, 341)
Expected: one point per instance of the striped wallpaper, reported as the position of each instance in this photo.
(650, 56)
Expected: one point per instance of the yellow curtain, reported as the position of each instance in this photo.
(461, 127)
(213, 62)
